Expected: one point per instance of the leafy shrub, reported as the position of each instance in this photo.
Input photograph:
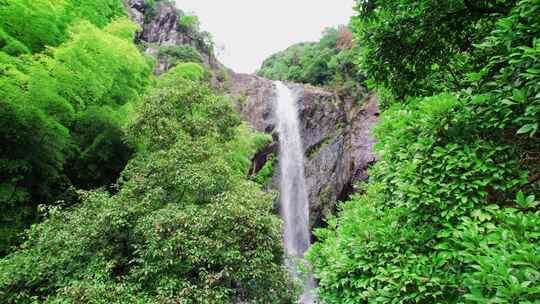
(191, 71)
(189, 21)
(264, 176)
(185, 226)
(181, 54)
(450, 214)
(399, 243)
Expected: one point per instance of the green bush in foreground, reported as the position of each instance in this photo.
(451, 211)
(185, 226)
(439, 221)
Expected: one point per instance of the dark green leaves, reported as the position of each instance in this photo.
(450, 214)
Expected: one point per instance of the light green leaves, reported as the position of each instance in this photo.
(530, 129)
(526, 202)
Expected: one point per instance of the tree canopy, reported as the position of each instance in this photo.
(328, 62)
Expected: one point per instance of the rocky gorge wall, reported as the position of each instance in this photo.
(336, 133)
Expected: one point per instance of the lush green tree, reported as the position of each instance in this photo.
(100, 67)
(78, 90)
(39, 23)
(408, 45)
(33, 152)
(451, 213)
(304, 62)
(185, 227)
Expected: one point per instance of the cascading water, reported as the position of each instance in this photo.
(293, 194)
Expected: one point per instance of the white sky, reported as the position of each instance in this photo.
(252, 30)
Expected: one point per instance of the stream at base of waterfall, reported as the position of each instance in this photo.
(293, 194)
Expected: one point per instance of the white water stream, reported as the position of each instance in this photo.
(293, 194)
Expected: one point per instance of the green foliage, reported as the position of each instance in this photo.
(264, 176)
(39, 23)
(11, 46)
(399, 239)
(31, 162)
(184, 227)
(189, 21)
(100, 67)
(245, 145)
(101, 152)
(190, 107)
(94, 67)
(181, 54)
(304, 62)
(420, 47)
(450, 214)
(190, 71)
(71, 99)
(327, 62)
(511, 77)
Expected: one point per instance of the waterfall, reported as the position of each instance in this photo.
(293, 194)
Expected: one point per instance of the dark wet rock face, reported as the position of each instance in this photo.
(326, 140)
(136, 9)
(362, 141)
(160, 28)
(253, 97)
(336, 135)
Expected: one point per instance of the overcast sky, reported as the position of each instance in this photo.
(252, 30)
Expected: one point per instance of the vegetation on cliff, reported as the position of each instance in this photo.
(450, 214)
(328, 62)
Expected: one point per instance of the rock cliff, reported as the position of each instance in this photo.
(161, 27)
(336, 135)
